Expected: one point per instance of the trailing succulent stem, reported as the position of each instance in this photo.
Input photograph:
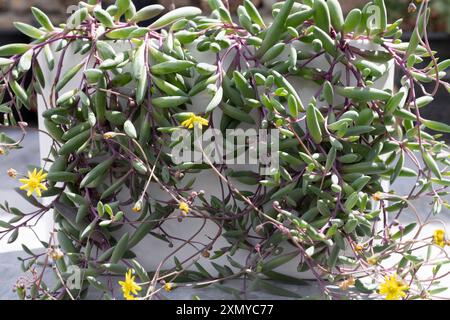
(111, 113)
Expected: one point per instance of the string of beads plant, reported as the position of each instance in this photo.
(326, 207)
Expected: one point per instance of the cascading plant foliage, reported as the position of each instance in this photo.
(325, 206)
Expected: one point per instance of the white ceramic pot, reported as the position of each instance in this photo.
(151, 251)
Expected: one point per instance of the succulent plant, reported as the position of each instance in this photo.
(324, 206)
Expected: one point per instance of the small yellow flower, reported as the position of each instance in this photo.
(194, 120)
(184, 207)
(168, 287)
(2, 151)
(345, 284)
(393, 288)
(34, 182)
(129, 286)
(359, 247)
(372, 261)
(439, 238)
(12, 173)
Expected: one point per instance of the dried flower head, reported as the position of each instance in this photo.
(12, 173)
(347, 283)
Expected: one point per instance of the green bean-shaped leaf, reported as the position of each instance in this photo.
(237, 114)
(13, 49)
(122, 7)
(73, 144)
(363, 94)
(100, 100)
(431, 164)
(121, 33)
(327, 42)
(77, 18)
(29, 30)
(120, 248)
(253, 13)
(174, 15)
(171, 67)
(96, 172)
(296, 19)
(215, 101)
(113, 188)
(322, 15)
(313, 124)
(104, 17)
(61, 176)
(169, 102)
(352, 20)
(69, 75)
(382, 14)
(43, 19)
(336, 15)
(147, 13)
(20, 93)
(277, 28)
(436, 126)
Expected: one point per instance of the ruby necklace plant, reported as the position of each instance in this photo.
(325, 209)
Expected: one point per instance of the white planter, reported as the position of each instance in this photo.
(151, 251)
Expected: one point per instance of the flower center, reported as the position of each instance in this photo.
(34, 182)
(393, 288)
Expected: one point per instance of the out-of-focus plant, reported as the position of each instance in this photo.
(324, 206)
(406, 9)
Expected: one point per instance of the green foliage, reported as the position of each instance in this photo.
(112, 144)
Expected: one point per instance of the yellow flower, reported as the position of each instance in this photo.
(34, 182)
(439, 237)
(194, 120)
(168, 287)
(345, 284)
(129, 297)
(393, 288)
(184, 207)
(129, 287)
(372, 261)
(359, 247)
(2, 151)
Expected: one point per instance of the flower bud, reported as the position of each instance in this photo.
(138, 206)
